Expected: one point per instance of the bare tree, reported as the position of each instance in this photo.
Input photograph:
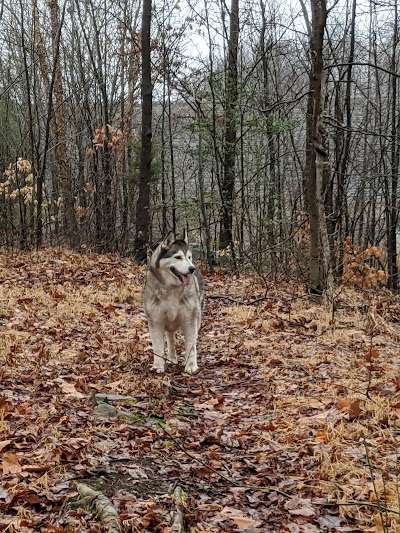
(392, 203)
(231, 120)
(60, 127)
(143, 202)
(316, 154)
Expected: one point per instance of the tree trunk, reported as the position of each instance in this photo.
(273, 199)
(105, 205)
(316, 155)
(61, 150)
(342, 229)
(203, 207)
(133, 75)
(171, 152)
(163, 155)
(228, 182)
(143, 202)
(393, 280)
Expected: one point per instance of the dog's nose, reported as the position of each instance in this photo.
(191, 269)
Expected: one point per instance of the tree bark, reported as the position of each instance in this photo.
(143, 202)
(60, 127)
(393, 279)
(316, 155)
(273, 198)
(229, 167)
(344, 154)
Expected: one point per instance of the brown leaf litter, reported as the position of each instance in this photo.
(291, 424)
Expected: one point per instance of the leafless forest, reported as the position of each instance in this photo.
(271, 129)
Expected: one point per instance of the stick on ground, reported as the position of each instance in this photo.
(178, 525)
(98, 503)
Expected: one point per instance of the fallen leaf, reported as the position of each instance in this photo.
(303, 511)
(4, 444)
(351, 406)
(5, 406)
(322, 437)
(210, 404)
(329, 521)
(243, 523)
(315, 404)
(300, 506)
(10, 463)
(70, 390)
(355, 410)
(313, 325)
(275, 362)
(343, 404)
(58, 296)
(36, 468)
(28, 496)
(237, 516)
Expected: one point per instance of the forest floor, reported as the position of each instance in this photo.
(291, 425)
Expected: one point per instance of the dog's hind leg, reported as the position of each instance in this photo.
(171, 347)
(190, 334)
(157, 341)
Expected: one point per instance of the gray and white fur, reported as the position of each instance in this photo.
(173, 299)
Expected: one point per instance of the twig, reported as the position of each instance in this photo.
(371, 470)
(351, 503)
(241, 302)
(369, 368)
(178, 525)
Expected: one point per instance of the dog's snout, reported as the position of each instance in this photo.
(191, 269)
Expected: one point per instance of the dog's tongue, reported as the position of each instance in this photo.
(186, 279)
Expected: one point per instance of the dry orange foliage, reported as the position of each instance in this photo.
(360, 269)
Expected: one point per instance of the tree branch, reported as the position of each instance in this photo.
(362, 64)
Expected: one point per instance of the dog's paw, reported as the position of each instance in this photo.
(191, 367)
(158, 369)
(172, 358)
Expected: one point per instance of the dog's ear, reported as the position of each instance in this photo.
(185, 236)
(169, 240)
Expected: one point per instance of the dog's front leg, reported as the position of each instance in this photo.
(157, 341)
(190, 334)
(171, 347)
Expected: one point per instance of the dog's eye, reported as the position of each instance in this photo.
(178, 257)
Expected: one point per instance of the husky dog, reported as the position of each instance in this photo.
(173, 298)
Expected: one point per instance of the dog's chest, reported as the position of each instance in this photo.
(171, 312)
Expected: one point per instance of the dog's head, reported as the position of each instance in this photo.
(173, 259)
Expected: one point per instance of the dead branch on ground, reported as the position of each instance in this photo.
(98, 503)
(178, 525)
